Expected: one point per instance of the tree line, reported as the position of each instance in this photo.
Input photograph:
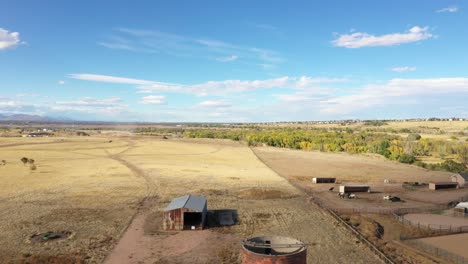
(393, 147)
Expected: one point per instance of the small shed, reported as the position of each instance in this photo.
(354, 188)
(460, 178)
(462, 208)
(323, 180)
(442, 185)
(185, 213)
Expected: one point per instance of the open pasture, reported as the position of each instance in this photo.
(92, 188)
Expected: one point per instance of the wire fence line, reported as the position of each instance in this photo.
(355, 232)
(439, 229)
(399, 214)
(438, 252)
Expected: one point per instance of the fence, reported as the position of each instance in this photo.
(356, 233)
(439, 252)
(389, 211)
(441, 229)
(361, 238)
(379, 210)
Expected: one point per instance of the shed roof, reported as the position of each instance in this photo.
(464, 175)
(462, 205)
(444, 183)
(193, 202)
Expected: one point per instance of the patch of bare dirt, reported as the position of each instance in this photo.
(263, 194)
(44, 259)
(383, 231)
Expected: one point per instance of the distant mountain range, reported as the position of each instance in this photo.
(30, 118)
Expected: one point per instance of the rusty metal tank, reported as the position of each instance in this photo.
(273, 250)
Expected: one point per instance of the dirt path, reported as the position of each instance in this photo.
(133, 246)
(36, 143)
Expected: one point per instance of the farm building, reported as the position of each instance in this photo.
(460, 178)
(354, 188)
(185, 213)
(442, 185)
(323, 180)
(462, 208)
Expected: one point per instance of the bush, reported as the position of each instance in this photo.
(452, 166)
(420, 164)
(32, 167)
(414, 137)
(24, 160)
(406, 158)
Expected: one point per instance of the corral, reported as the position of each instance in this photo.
(455, 244)
(370, 214)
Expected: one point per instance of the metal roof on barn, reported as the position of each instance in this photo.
(464, 175)
(193, 202)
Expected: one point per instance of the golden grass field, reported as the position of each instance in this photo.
(93, 188)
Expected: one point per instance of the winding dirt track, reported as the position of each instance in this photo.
(132, 240)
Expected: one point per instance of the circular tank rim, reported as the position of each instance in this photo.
(301, 246)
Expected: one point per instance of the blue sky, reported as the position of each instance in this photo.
(236, 61)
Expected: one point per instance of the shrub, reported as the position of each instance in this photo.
(406, 158)
(24, 160)
(414, 137)
(32, 167)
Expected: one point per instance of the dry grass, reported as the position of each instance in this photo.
(76, 187)
(304, 166)
(92, 187)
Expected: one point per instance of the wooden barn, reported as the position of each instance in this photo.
(442, 185)
(461, 179)
(185, 213)
(323, 180)
(354, 188)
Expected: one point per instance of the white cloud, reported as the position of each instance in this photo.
(152, 41)
(227, 59)
(8, 39)
(450, 9)
(27, 95)
(267, 66)
(404, 69)
(215, 104)
(108, 79)
(212, 88)
(393, 91)
(153, 99)
(89, 101)
(111, 107)
(61, 82)
(359, 39)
